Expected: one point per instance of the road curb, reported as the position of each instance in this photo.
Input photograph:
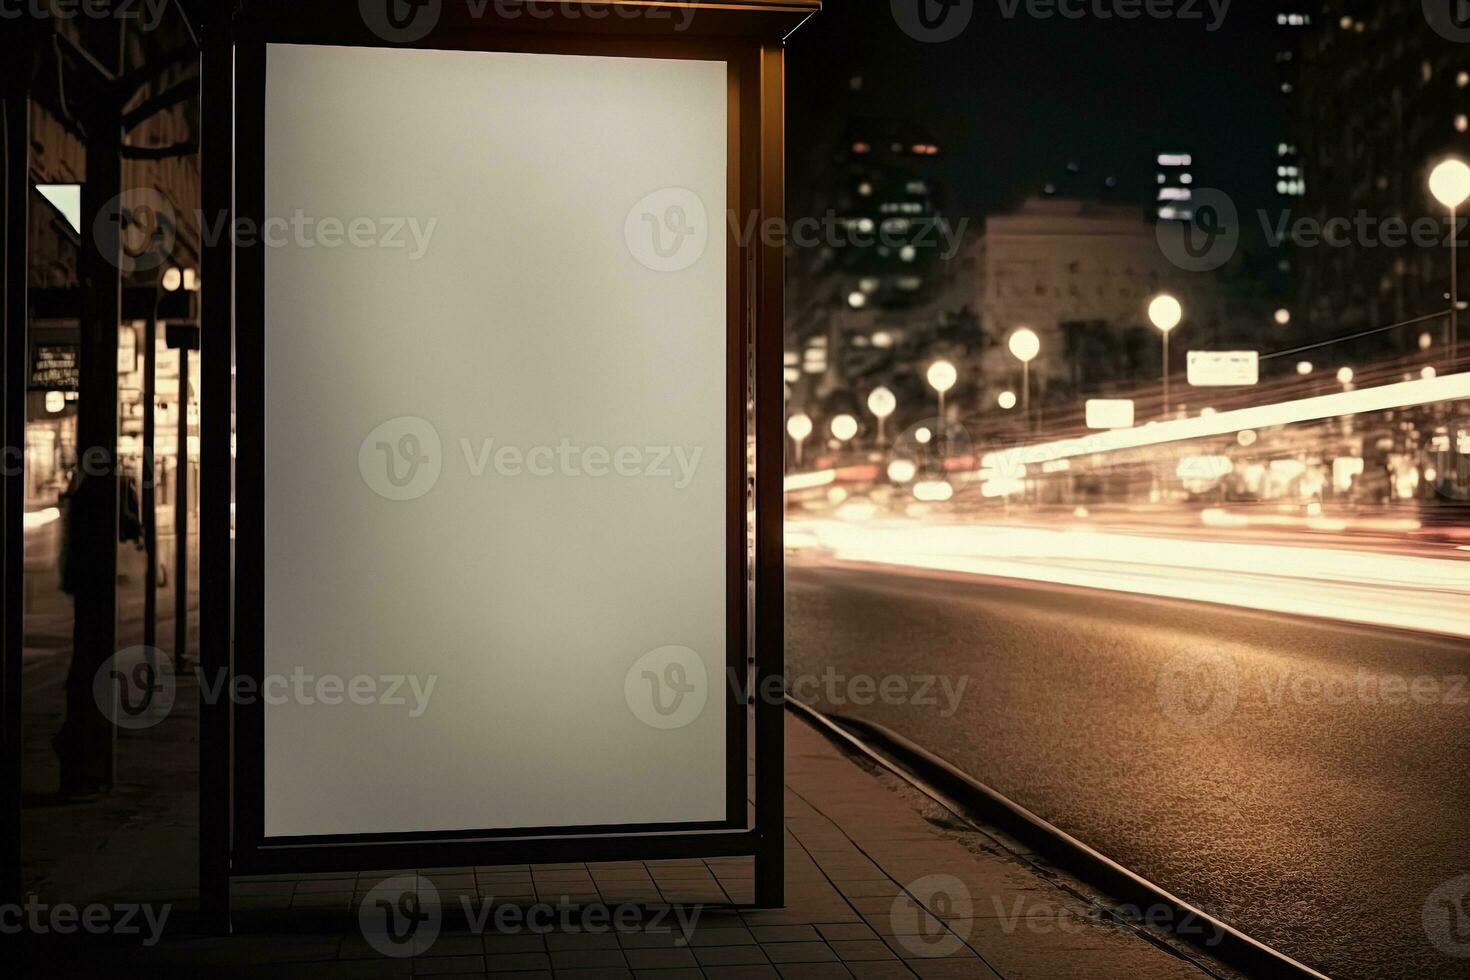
(973, 801)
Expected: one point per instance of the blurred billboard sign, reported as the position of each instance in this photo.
(1224, 369)
(1110, 413)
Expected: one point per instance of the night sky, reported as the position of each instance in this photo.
(1012, 100)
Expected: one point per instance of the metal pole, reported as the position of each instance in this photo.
(14, 244)
(1454, 291)
(1166, 374)
(941, 436)
(770, 587)
(181, 521)
(149, 490)
(1026, 392)
(88, 740)
(216, 401)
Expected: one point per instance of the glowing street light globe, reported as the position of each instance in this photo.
(1283, 317)
(1025, 345)
(902, 471)
(923, 436)
(844, 427)
(799, 427)
(882, 403)
(1345, 376)
(1007, 400)
(1304, 367)
(1165, 312)
(1450, 183)
(942, 376)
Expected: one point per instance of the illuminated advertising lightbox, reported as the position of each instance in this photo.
(495, 540)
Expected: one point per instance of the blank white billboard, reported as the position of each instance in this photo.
(495, 338)
(1224, 369)
(1110, 413)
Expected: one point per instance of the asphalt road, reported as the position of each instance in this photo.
(1306, 781)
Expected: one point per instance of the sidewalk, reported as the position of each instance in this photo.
(879, 886)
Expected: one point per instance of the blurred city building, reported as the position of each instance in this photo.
(875, 285)
(1382, 97)
(1080, 274)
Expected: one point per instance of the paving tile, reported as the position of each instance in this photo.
(813, 971)
(655, 959)
(436, 965)
(590, 959)
(814, 952)
(496, 944)
(863, 949)
(784, 934)
(730, 955)
(846, 931)
(741, 973)
(511, 962)
(881, 970)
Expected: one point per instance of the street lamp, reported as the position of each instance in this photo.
(1025, 345)
(1007, 400)
(882, 403)
(1450, 185)
(1166, 313)
(843, 427)
(942, 377)
(799, 427)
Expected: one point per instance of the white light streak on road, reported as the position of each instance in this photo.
(1423, 392)
(1403, 591)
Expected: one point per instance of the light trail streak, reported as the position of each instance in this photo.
(1402, 395)
(1401, 591)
